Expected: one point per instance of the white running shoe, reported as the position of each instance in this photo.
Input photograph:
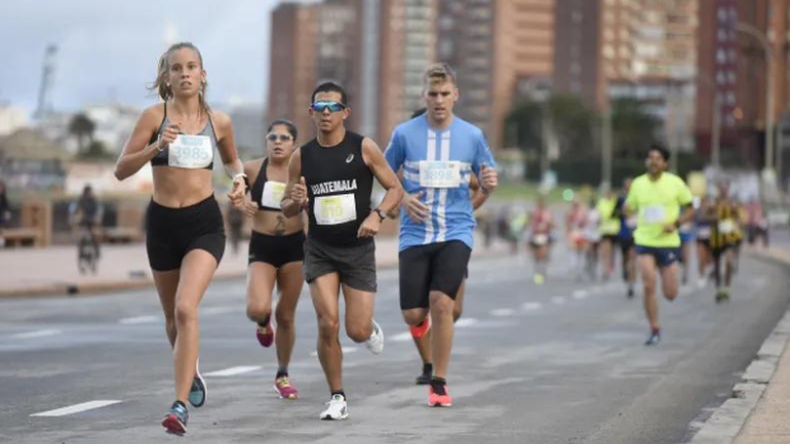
(336, 410)
(375, 342)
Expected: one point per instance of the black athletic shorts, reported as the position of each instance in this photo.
(356, 265)
(626, 244)
(276, 250)
(171, 233)
(433, 267)
(613, 238)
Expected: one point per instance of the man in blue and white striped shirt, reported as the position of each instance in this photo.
(437, 153)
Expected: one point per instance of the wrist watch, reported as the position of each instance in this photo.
(381, 214)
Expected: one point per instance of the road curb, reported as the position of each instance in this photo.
(76, 289)
(727, 421)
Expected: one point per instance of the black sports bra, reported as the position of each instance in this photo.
(162, 158)
(257, 189)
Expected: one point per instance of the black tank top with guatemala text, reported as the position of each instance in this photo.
(338, 186)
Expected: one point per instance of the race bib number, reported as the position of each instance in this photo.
(333, 210)
(190, 152)
(727, 226)
(273, 193)
(540, 239)
(655, 214)
(440, 174)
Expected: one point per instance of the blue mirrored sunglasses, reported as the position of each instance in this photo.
(331, 105)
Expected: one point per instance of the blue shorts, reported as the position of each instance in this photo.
(685, 237)
(664, 256)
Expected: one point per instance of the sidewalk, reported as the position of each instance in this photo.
(768, 422)
(53, 270)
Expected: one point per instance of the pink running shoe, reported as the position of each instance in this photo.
(285, 389)
(265, 335)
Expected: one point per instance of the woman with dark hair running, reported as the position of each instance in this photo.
(276, 252)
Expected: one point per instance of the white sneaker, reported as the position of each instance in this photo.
(337, 409)
(375, 342)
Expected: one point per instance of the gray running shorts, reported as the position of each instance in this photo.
(356, 265)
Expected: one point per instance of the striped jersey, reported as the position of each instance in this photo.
(439, 163)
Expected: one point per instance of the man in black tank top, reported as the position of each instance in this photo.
(333, 176)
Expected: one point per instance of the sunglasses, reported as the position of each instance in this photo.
(331, 105)
(282, 137)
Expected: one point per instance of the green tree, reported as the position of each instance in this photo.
(96, 151)
(82, 127)
(633, 129)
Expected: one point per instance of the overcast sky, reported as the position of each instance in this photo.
(108, 50)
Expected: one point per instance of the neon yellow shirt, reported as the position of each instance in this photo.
(657, 204)
(609, 225)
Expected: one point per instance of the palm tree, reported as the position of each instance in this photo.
(82, 127)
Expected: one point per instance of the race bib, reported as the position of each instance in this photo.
(686, 227)
(540, 239)
(631, 222)
(440, 174)
(654, 214)
(190, 152)
(703, 232)
(273, 193)
(333, 210)
(727, 226)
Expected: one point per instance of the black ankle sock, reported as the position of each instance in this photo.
(437, 384)
(427, 368)
(265, 321)
(339, 392)
(179, 403)
(281, 373)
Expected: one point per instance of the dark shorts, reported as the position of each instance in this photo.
(356, 265)
(626, 244)
(171, 233)
(613, 238)
(276, 250)
(434, 267)
(719, 251)
(703, 242)
(664, 256)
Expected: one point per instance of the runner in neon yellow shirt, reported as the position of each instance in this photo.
(610, 227)
(656, 198)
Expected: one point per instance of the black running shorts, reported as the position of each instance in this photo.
(171, 233)
(433, 267)
(276, 250)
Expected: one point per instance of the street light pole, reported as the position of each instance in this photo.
(769, 96)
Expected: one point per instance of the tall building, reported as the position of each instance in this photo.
(578, 64)
(407, 42)
(376, 49)
(292, 70)
(732, 68)
(495, 46)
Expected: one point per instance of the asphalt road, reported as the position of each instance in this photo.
(557, 363)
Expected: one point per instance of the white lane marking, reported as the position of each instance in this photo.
(218, 310)
(466, 322)
(138, 320)
(558, 300)
(531, 306)
(400, 337)
(580, 294)
(77, 408)
(233, 371)
(36, 334)
(503, 312)
(343, 349)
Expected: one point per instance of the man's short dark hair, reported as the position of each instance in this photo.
(331, 87)
(661, 150)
